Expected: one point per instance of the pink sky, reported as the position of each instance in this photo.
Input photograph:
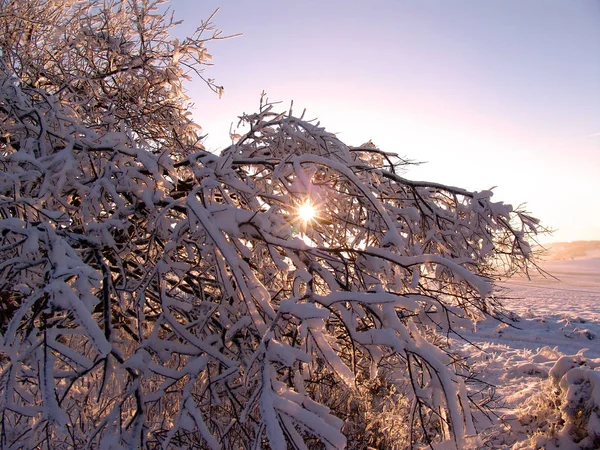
(488, 93)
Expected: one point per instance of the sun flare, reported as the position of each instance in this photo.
(307, 212)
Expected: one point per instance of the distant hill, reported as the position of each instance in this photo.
(564, 251)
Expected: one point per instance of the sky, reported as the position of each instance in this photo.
(487, 93)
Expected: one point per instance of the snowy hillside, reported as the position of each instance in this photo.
(537, 406)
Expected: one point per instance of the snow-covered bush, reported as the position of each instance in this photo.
(567, 412)
(154, 294)
(580, 392)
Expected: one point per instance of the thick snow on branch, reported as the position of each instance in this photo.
(157, 296)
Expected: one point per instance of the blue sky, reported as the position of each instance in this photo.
(489, 93)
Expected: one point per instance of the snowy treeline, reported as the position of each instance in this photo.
(154, 294)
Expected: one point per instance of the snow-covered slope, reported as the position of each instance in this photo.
(524, 360)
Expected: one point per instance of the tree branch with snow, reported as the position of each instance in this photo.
(155, 294)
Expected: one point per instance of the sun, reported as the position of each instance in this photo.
(306, 212)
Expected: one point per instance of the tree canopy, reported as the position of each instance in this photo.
(156, 295)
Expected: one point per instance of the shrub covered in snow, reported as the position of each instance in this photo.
(154, 294)
(567, 413)
(580, 395)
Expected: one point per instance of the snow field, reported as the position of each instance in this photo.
(542, 365)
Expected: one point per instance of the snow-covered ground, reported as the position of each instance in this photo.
(553, 318)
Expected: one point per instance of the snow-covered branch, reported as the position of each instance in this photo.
(154, 294)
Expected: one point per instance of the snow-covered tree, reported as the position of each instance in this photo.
(157, 295)
(112, 61)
